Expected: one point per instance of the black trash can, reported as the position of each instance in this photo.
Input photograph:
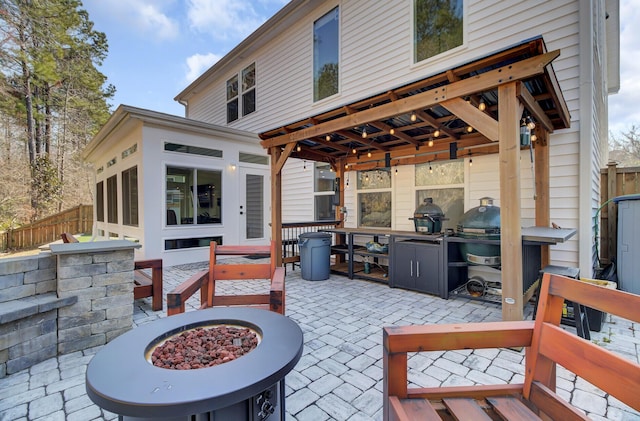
(315, 255)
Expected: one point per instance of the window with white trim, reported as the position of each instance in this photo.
(437, 27)
(241, 93)
(326, 55)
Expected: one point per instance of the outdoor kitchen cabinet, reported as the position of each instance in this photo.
(417, 266)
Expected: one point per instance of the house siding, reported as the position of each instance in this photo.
(376, 55)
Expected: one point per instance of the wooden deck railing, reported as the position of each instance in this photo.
(75, 220)
(290, 235)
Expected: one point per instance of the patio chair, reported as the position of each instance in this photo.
(205, 280)
(144, 284)
(546, 345)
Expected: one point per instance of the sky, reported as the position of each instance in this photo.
(158, 47)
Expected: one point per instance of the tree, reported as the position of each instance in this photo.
(51, 88)
(625, 148)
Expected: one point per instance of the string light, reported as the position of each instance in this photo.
(396, 170)
(531, 125)
(354, 151)
(346, 166)
(482, 106)
(413, 117)
(430, 169)
(369, 154)
(364, 132)
(534, 138)
(328, 138)
(430, 143)
(436, 133)
(392, 131)
(470, 160)
(298, 148)
(469, 129)
(304, 167)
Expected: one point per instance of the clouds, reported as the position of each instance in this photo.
(223, 19)
(623, 107)
(198, 63)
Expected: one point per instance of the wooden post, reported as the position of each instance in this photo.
(276, 203)
(541, 166)
(612, 221)
(510, 110)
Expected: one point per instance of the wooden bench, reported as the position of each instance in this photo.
(148, 285)
(547, 344)
(205, 281)
(144, 284)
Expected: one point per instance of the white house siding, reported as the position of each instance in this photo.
(376, 55)
(297, 192)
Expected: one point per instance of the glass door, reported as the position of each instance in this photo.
(255, 206)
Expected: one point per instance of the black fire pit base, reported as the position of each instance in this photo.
(121, 380)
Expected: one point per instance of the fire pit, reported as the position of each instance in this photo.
(121, 378)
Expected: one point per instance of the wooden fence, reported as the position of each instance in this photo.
(614, 182)
(75, 220)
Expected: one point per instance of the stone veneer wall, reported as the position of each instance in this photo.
(31, 336)
(76, 297)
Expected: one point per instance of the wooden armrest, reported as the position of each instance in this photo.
(457, 336)
(277, 293)
(180, 294)
(148, 264)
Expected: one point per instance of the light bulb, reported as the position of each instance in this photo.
(482, 106)
(328, 138)
(430, 143)
(298, 148)
(531, 125)
(354, 151)
(364, 132)
(346, 166)
(534, 138)
(413, 116)
(392, 131)
(396, 171)
(470, 162)
(436, 133)
(469, 129)
(430, 169)
(369, 154)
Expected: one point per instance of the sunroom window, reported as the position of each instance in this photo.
(326, 55)
(438, 27)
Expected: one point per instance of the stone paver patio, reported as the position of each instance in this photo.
(339, 376)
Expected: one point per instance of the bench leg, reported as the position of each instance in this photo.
(156, 279)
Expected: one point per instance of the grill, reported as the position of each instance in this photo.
(428, 217)
(120, 378)
(480, 223)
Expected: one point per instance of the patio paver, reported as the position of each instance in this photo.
(339, 376)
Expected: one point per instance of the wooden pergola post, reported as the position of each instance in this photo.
(542, 198)
(510, 109)
(276, 200)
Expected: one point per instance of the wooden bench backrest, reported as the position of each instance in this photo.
(239, 272)
(551, 344)
(68, 238)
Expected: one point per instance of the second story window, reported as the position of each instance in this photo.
(243, 85)
(437, 27)
(326, 55)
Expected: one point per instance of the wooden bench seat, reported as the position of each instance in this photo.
(546, 345)
(205, 281)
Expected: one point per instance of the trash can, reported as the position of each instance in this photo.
(628, 242)
(315, 255)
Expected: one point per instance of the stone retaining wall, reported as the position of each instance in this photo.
(75, 297)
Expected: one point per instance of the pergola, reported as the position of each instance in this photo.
(473, 109)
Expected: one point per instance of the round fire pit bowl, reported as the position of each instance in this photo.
(121, 380)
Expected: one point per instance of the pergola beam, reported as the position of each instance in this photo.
(482, 122)
(481, 82)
